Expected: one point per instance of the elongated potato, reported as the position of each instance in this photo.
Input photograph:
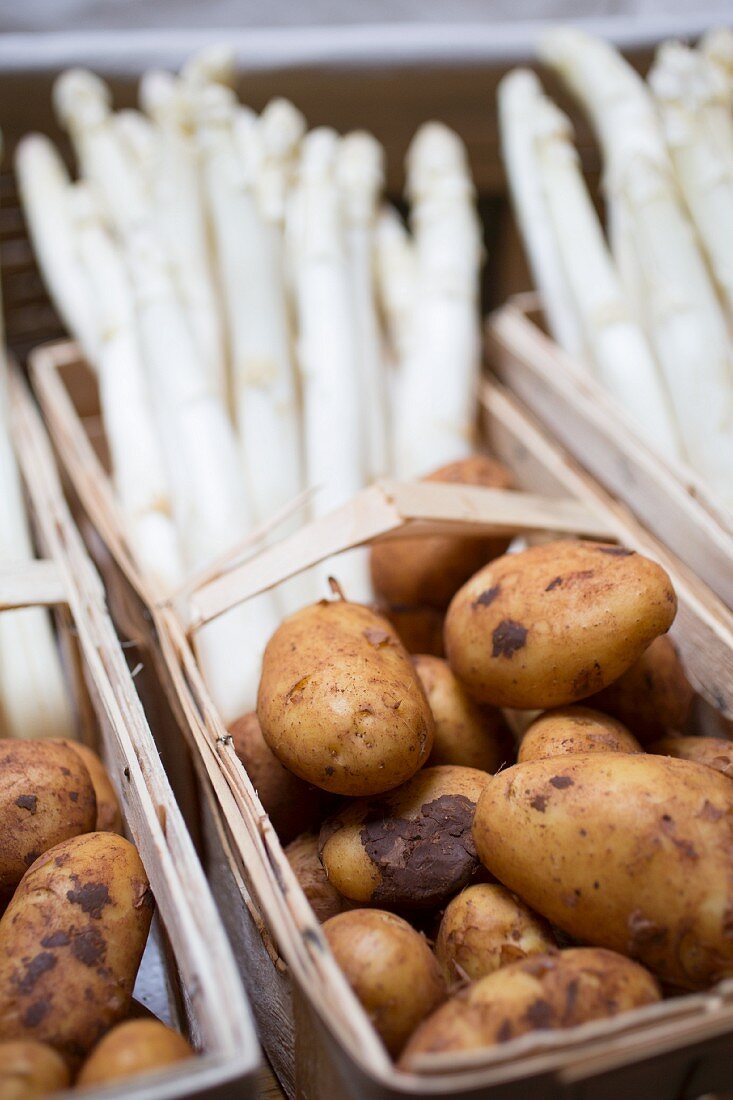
(109, 818)
(411, 848)
(71, 941)
(484, 928)
(46, 795)
(544, 992)
(555, 623)
(630, 852)
(428, 571)
(131, 1048)
(303, 857)
(651, 697)
(466, 733)
(714, 752)
(30, 1070)
(340, 703)
(391, 969)
(420, 629)
(572, 730)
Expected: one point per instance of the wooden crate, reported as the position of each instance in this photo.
(315, 1032)
(192, 972)
(667, 496)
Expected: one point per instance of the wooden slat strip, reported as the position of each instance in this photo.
(31, 583)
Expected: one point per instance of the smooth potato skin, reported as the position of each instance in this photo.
(46, 796)
(428, 571)
(652, 696)
(484, 928)
(420, 629)
(553, 991)
(71, 941)
(109, 816)
(627, 851)
(714, 752)
(30, 1070)
(339, 702)
(572, 730)
(410, 849)
(323, 896)
(391, 969)
(466, 734)
(133, 1047)
(556, 623)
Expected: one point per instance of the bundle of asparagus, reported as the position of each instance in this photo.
(649, 307)
(265, 330)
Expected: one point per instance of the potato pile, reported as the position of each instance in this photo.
(77, 912)
(475, 885)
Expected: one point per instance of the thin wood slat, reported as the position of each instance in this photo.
(31, 583)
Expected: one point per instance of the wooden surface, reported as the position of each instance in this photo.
(267, 1083)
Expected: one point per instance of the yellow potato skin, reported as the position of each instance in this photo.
(626, 851)
(30, 1070)
(71, 941)
(484, 928)
(550, 991)
(572, 730)
(339, 702)
(131, 1048)
(323, 896)
(714, 752)
(420, 629)
(554, 624)
(109, 816)
(46, 796)
(391, 969)
(466, 734)
(409, 849)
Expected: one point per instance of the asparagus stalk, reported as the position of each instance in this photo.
(716, 55)
(396, 279)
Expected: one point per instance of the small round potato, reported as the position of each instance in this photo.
(544, 992)
(391, 969)
(411, 848)
(109, 817)
(420, 629)
(30, 1070)
(651, 697)
(340, 703)
(555, 623)
(292, 805)
(574, 729)
(715, 752)
(46, 796)
(303, 857)
(428, 571)
(484, 928)
(466, 733)
(71, 941)
(131, 1048)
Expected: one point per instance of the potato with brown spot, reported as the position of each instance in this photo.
(556, 623)
(46, 796)
(484, 928)
(651, 697)
(714, 752)
(303, 857)
(466, 733)
(30, 1070)
(627, 851)
(420, 629)
(339, 702)
(546, 992)
(132, 1048)
(391, 969)
(292, 805)
(428, 571)
(71, 941)
(572, 730)
(411, 848)
(109, 816)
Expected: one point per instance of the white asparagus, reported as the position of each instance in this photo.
(360, 174)
(44, 191)
(716, 56)
(518, 95)
(396, 279)
(214, 64)
(616, 345)
(281, 128)
(686, 325)
(434, 417)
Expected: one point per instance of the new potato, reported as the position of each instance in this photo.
(714, 752)
(30, 1070)
(131, 1048)
(652, 696)
(555, 623)
(323, 896)
(109, 817)
(420, 629)
(627, 851)
(572, 730)
(339, 702)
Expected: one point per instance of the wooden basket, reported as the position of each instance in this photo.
(668, 497)
(192, 963)
(312, 1027)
